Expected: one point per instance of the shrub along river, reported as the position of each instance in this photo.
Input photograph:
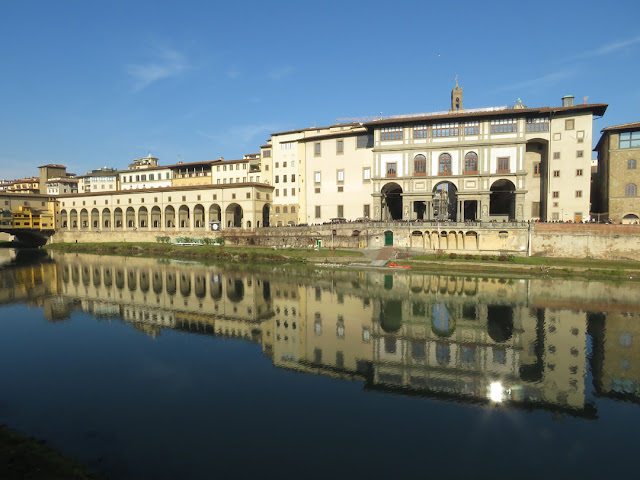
(143, 368)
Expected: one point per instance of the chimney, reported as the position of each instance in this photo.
(567, 101)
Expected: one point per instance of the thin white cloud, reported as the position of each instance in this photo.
(166, 63)
(280, 72)
(609, 48)
(543, 81)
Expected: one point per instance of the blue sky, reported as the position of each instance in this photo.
(98, 83)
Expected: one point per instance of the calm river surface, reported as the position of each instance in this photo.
(159, 369)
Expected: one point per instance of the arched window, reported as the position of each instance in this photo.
(631, 164)
(420, 166)
(631, 190)
(444, 164)
(471, 162)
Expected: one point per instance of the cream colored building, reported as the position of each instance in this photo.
(99, 180)
(497, 163)
(168, 210)
(337, 174)
(61, 186)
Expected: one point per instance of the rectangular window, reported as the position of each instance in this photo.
(578, 193)
(340, 211)
(317, 190)
(293, 209)
(555, 194)
(316, 177)
(537, 124)
(340, 177)
(339, 146)
(316, 149)
(284, 179)
(317, 211)
(340, 189)
(471, 128)
(366, 174)
(420, 131)
(505, 125)
(580, 136)
(446, 130)
(288, 145)
(580, 153)
(391, 169)
(277, 192)
(537, 169)
(284, 192)
(364, 141)
(579, 172)
(293, 192)
(266, 154)
(284, 164)
(391, 133)
(629, 140)
(366, 211)
(503, 164)
(569, 124)
(556, 155)
(556, 173)
(293, 177)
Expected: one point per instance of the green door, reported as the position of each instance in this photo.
(388, 239)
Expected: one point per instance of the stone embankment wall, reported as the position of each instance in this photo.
(586, 240)
(538, 239)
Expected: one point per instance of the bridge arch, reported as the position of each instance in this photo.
(234, 215)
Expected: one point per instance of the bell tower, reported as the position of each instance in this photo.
(456, 98)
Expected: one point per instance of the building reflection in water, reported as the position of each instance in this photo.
(530, 343)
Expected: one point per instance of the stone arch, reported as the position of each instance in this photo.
(143, 217)
(118, 220)
(630, 219)
(391, 201)
(500, 322)
(215, 213)
(95, 218)
(503, 199)
(417, 239)
(120, 279)
(445, 201)
(201, 286)
(471, 241)
(170, 216)
(73, 219)
(144, 281)
(198, 216)
(84, 219)
(171, 284)
(184, 217)
(442, 323)
(106, 218)
(64, 219)
(132, 280)
(107, 277)
(234, 215)
(130, 218)
(156, 217)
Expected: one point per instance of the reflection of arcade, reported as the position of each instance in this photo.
(462, 339)
(198, 299)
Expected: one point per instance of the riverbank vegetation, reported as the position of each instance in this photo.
(26, 457)
(501, 265)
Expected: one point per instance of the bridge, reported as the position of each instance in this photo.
(28, 237)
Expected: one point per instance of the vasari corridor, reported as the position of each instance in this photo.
(165, 369)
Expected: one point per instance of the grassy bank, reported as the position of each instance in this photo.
(26, 457)
(475, 264)
(209, 253)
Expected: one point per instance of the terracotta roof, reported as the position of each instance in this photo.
(624, 126)
(53, 165)
(265, 146)
(596, 108)
(166, 189)
(343, 133)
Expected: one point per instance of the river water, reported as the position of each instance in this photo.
(144, 368)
